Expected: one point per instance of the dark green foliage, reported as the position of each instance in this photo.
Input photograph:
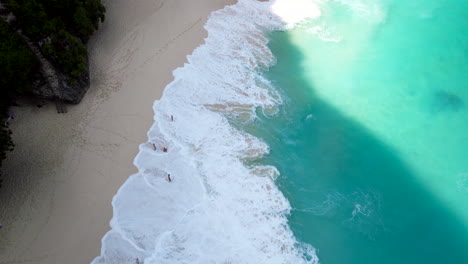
(68, 51)
(17, 65)
(61, 28)
(84, 24)
(87, 16)
(32, 17)
(79, 17)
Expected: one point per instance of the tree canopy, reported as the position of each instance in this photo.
(61, 28)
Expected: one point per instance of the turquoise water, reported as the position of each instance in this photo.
(372, 139)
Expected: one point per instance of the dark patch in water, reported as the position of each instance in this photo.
(443, 101)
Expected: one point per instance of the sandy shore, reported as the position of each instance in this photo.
(55, 203)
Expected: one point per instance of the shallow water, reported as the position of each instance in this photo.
(372, 139)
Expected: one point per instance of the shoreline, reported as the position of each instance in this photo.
(65, 169)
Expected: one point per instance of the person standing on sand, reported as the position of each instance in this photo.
(154, 146)
(169, 177)
(172, 118)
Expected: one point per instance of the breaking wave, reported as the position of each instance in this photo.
(194, 200)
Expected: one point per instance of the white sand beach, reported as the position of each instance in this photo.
(55, 203)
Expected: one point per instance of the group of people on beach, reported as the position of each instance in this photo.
(169, 179)
(164, 149)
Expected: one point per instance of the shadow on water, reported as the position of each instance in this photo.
(445, 101)
(353, 198)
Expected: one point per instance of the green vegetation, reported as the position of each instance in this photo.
(17, 64)
(60, 29)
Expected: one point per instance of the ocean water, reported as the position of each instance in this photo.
(307, 131)
(371, 141)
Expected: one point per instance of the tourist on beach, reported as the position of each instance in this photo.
(169, 177)
(172, 118)
(154, 146)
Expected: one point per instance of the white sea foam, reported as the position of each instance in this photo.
(295, 11)
(215, 209)
(323, 33)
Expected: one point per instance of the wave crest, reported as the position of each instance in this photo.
(214, 209)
